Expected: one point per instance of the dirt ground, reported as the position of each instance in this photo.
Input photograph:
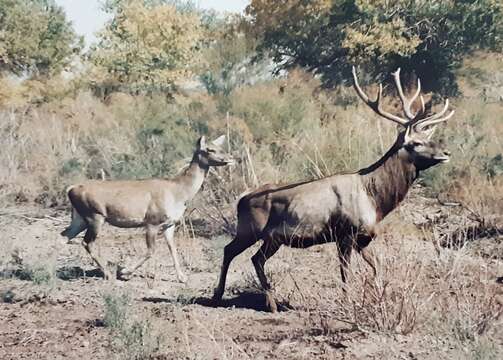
(428, 302)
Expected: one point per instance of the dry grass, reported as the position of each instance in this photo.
(294, 135)
(447, 304)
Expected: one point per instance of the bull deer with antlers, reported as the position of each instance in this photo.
(155, 204)
(343, 208)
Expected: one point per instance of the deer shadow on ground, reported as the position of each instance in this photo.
(76, 272)
(62, 273)
(244, 300)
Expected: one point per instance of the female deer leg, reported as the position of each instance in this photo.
(93, 228)
(169, 236)
(233, 249)
(151, 234)
(77, 225)
(268, 249)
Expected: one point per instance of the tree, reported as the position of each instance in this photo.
(146, 47)
(35, 38)
(427, 38)
(227, 54)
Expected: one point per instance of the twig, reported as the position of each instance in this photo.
(251, 167)
(31, 218)
(447, 203)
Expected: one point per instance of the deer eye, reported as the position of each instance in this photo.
(210, 150)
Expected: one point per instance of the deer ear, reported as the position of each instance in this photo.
(201, 143)
(220, 141)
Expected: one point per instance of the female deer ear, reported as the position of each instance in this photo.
(201, 143)
(220, 141)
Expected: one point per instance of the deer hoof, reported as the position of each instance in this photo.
(123, 273)
(217, 295)
(182, 278)
(107, 275)
(270, 302)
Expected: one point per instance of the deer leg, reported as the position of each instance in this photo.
(77, 225)
(369, 259)
(231, 250)
(93, 228)
(268, 249)
(345, 248)
(151, 234)
(169, 236)
(362, 241)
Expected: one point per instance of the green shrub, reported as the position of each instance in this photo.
(131, 338)
(116, 307)
(7, 296)
(41, 275)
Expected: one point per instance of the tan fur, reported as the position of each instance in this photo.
(155, 204)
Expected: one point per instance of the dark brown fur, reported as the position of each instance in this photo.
(343, 208)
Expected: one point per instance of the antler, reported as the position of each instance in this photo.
(406, 104)
(376, 104)
(414, 119)
(434, 119)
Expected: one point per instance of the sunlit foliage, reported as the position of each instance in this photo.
(35, 38)
(146, 47)
(426, 37)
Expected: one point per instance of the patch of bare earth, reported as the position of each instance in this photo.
(427, 302)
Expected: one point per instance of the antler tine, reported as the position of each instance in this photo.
(418, 92)
(430, 123)
(406, 104)
(436, 118)
(358, 89)
(375, 105)
(423, 106)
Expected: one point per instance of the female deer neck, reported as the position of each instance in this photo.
(193, 177)
(389, 179)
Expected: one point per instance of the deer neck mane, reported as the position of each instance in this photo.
(192, 178)
(388, 180)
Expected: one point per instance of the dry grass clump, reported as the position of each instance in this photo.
(453, 296)
(51, 146)
(391, 302)
(467, 305)
(280, 131)
(276, 137)
(198, 336)
(45, 148)
(131, 336)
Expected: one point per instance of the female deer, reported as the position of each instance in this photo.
(155, 204)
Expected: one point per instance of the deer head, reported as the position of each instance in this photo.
(418, 127)
(213, 154)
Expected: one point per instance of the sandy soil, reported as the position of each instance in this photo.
(62, 316)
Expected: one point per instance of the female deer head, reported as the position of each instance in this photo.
(212, 154)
